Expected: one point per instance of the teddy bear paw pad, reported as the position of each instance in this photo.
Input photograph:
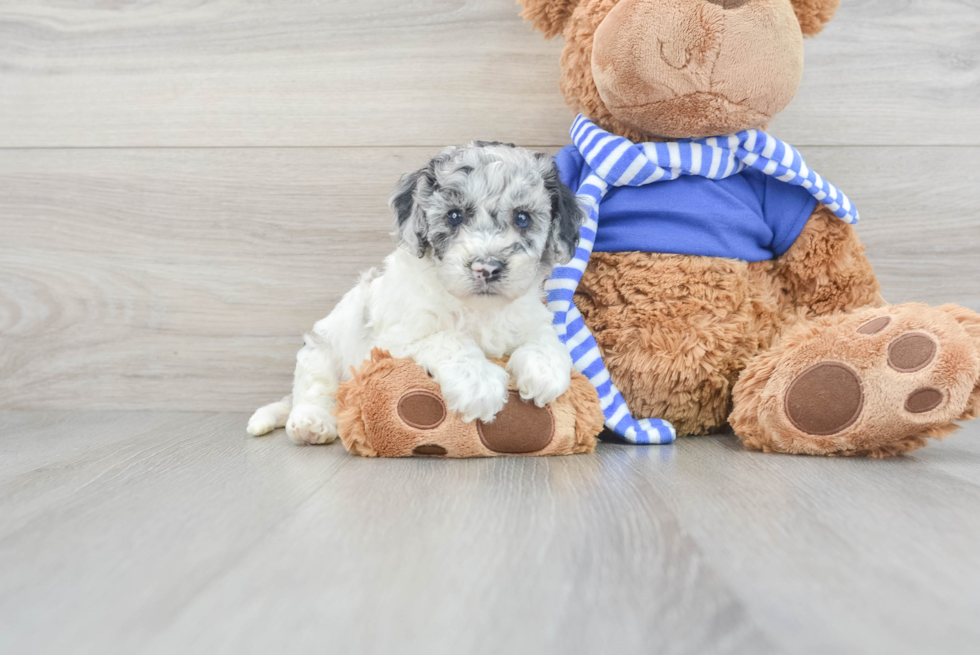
(520, 428)
(825, 399)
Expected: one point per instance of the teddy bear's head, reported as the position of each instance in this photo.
(649, 69)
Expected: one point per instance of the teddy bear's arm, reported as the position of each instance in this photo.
(826, 271)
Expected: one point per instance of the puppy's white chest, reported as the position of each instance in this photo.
(497, 333)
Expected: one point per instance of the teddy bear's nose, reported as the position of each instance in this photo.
(729, 4)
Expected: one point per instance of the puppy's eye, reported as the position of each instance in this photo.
(455, 217)
(522, 220)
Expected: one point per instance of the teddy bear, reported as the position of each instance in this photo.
(732, 290)
(718, 280)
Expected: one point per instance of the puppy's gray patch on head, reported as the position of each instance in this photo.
(490, 144)
(488, 202)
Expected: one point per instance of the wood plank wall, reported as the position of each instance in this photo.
(186, 186)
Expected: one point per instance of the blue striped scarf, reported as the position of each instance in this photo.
(616, 161)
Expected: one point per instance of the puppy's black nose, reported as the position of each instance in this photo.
(490, 271)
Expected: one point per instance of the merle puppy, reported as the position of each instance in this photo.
(480, 228)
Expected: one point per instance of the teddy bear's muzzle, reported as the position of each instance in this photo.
(697, 68)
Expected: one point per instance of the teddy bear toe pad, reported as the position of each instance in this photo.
(422, 410)
(911, 352)
(429, 450)
(874, 326)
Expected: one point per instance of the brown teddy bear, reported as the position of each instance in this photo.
(741, 299)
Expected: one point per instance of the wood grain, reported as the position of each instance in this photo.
(898, 526)
(175, 532)
(101, 558)
(53, 437)
(184, 278)
(384, 72)
(444, 560)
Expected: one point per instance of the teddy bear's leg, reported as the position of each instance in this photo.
(675, 331)
(875, 383)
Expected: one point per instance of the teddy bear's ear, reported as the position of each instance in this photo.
(814, 14)
(548, 16)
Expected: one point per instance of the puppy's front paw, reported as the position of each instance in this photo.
(476, 390)
(542, 374)
(311, 424)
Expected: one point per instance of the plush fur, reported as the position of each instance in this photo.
(814, 14)
(719, 69)
(681, 334)
(709, 71)
(480, 228)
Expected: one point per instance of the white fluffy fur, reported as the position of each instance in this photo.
(406, 311)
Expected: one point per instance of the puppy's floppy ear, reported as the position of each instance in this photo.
(814, 14)
(410, 219)
(548, 16)
(566, 217)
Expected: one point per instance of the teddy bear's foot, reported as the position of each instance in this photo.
(391, 408)
(877, 383)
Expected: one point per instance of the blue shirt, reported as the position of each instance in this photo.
(749, 216)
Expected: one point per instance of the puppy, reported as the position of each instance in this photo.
(480, 228)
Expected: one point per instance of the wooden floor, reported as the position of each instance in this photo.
(154, 532)
(186, 186)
